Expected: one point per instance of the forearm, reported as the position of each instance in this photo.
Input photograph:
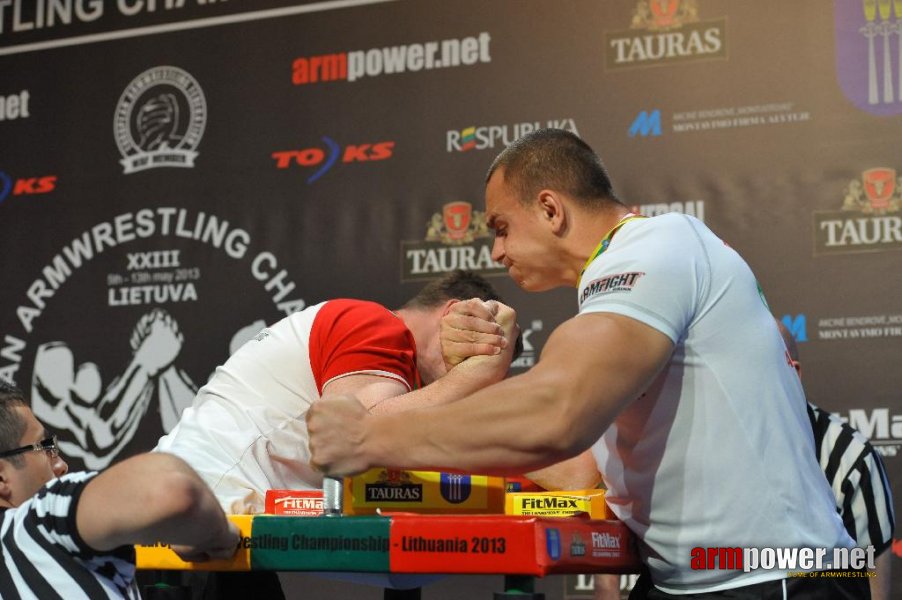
(461, 381)
(519, 426)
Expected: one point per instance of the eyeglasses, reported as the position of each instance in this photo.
(46, 445)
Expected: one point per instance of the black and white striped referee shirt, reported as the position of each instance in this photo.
(856, 474)
(44, 558)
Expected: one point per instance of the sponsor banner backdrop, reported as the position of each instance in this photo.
(174, 174)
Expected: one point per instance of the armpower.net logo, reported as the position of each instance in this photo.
(359, 64)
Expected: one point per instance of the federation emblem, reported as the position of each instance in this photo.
(869, 53)
(160, 119)
(455, 488)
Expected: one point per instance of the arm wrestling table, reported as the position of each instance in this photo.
(399, 551)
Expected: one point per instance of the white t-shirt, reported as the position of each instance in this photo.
(718, 452)
(245, 432)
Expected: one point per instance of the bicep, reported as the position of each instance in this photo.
(371, 390)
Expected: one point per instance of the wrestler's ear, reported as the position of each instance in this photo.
(551, 206)
(446, 307)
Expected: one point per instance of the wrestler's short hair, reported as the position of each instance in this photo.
(555, 159)
(12, 428)
(457, 285)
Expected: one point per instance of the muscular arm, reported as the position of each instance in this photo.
(150, 498)
(591, 368)
(383, 395)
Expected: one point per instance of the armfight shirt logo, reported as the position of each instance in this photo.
(619, 282)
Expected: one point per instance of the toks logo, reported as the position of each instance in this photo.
(869, 219)
(26, 186)
(325, 158)
(456, 238)
(674, 34)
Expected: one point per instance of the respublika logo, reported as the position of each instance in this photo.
(869, 73)
(484, 137)
(869, 219)
(646, 123)
(14, 106)
(160, 119)
(355, 65)
(323, 159)
(456, 238)
(672, 33)
(25, 186)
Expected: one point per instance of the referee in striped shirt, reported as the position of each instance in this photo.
(856, 475)
(70, 536)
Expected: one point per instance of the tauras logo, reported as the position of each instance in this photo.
(389, 493)
(456, 238)
(869, 219)
(673, 32)
(604, 540)
(393, 485)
